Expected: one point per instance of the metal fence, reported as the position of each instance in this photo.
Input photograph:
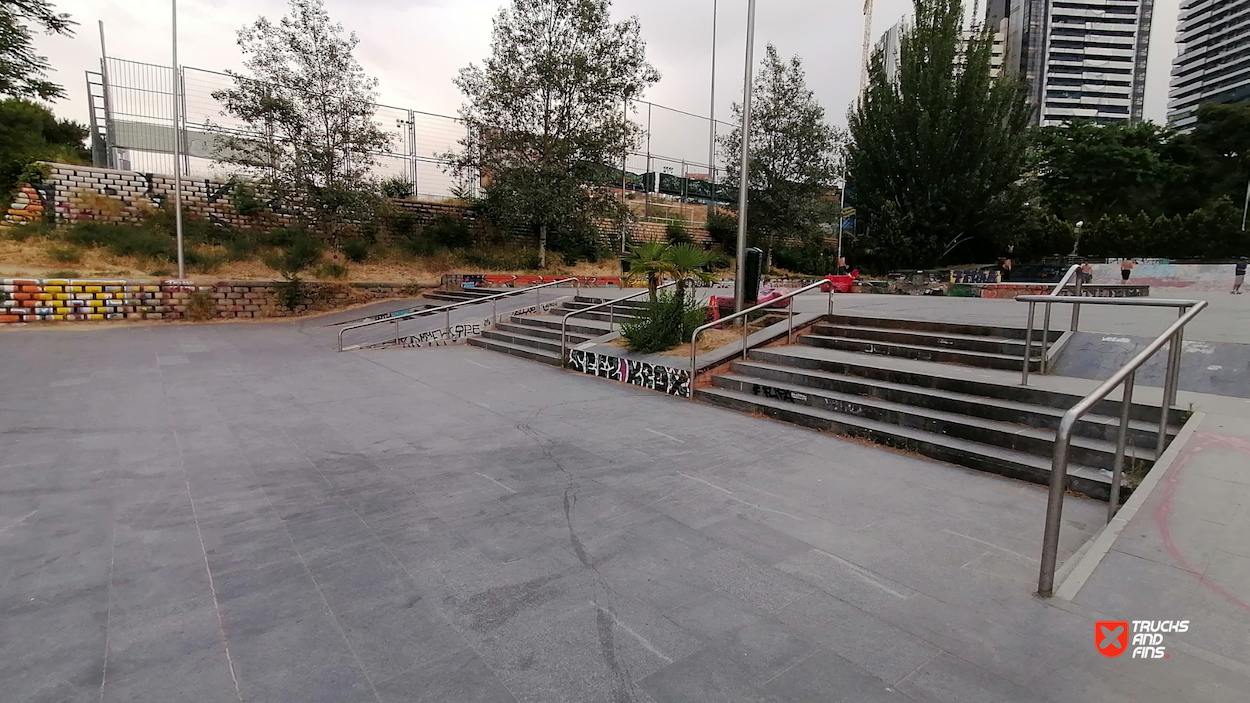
(138, 134)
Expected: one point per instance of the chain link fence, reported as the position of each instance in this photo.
(667, 177)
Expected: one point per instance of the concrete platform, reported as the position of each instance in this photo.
(238, 513)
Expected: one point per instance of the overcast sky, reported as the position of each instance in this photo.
(415, 47)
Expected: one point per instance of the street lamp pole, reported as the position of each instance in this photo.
(711, 118)
(841, 218)
(744, 174)
(1246, 208)
(182, 269)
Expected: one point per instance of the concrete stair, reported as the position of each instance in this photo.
(883, 389)
(459, 296)
(537, 337)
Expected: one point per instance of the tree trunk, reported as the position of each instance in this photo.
(542, 247)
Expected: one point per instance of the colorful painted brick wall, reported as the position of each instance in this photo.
(26, 300)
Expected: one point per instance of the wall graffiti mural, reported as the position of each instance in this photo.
(657, 378)
(439, 337)
(535, 309)
(992, 276)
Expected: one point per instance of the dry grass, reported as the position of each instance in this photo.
(34, 258)
(709, 341)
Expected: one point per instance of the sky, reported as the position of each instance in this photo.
(415, 47)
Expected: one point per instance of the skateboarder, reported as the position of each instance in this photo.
(1126, 269)
(1239, 276)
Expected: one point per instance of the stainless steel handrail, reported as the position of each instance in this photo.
(493, 299)
(1172, 336)
(1076, 316)
(564, 322)
(694, 338)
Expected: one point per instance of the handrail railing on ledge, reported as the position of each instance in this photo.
(1126, 376)
(694, 338)
(1055, 292)
(492, 299)
(610, 305)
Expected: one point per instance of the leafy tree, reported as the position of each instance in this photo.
(646, 262)
(545, 119)
(935, 155)
(795, 155)
(30, 132)
(309, 107)
(23, 73)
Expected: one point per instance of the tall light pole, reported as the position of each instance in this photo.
(711, 118)
(744, 174)
(182, 269)
(1245, 209)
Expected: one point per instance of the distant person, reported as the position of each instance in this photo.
(1126, 269)
(1239, 276)
(1087, 273)
(1006, 262)
(841, 269)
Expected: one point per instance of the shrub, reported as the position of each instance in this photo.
(65, 255)
(244, 199)
(302, 252)
(291, 292)
(722, 227)
(356, 250)
(123, 240)
(663, 324)
(450, 232)
(202, 260)
(331, 270)
(397, 187)
(677, 234)
(201, 306)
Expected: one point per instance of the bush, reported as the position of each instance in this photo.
(419, 245)
(664, 324)
(244, 199)
(201, 306)
(722, 227)
(302, 252)
(65, 255)
(202, 260)
(450, 232)
(356, 250)
(397, 187)
(123, 240)
(502, 258)
(809, 260)
(291, 292)
(677, 234)
(331, 270)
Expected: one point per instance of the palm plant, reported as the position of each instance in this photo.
(649, 260)
(686, 261)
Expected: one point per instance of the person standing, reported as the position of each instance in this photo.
(1126, 269)
(1087, 273)
(1239, 276)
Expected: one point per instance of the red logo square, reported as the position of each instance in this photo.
(1111, 637)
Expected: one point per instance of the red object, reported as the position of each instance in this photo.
(840, 284)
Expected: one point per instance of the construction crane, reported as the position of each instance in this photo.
(863, 68)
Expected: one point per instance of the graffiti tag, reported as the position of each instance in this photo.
(653, 376)
(442, 337)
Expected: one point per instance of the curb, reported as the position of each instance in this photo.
(1077, 570)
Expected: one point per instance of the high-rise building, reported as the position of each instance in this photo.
(891, 41)
(1213, 64)
(1082, 59)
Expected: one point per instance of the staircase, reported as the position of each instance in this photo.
(537, 337)
(460, 295)
(939, 390)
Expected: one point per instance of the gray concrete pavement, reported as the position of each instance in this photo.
(236, 513)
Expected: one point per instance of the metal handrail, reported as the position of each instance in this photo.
(564, 322)
(694, 338)
(1172, 336)
(493, 299)
(1076, 316)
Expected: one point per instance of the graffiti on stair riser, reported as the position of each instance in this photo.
(444, 337)
(535, 309)
(653, 376)
(836, 405)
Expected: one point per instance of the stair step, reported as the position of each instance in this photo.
(1039, 442)
(940, 340)
(988, 360)
(519, 327)
(954, 328)
(926, 374)
(974, 455)
(518, 350)
(1095, 426)
(576, 324)
(525, 340)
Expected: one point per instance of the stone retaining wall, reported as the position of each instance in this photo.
(24, 300)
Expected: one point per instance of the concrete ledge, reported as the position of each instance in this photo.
(1077, 570)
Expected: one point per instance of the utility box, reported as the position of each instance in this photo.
(754, 272)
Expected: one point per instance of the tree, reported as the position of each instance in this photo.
(935, 154)
(23, 73)
(545, 120)
(795, 157)
(309, 108)
(30, 132)
(647, 261)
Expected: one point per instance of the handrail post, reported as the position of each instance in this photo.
(1121, 444)
(1045, 336)
(1076, 307)
(1028, 345)
(1054, 506)
(790, 332)
(694, 350)
(1169, 391)
(1180, 356)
